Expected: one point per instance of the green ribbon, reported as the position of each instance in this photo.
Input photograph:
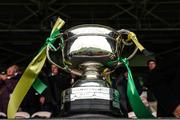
(39, 86)
(140, 110)
(136, 103)
(31, 73)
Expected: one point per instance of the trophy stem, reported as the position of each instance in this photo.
(91, 70)
(91, 75)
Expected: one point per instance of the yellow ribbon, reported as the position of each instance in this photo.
(31, 73)
(25, 83)
(59, 23)
(132, 36)
(107, 76)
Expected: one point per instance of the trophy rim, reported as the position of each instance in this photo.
(91, 25)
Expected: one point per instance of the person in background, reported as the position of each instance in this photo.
(152, 102)
(164, 81)
(151, 64)
(57, 81)
(8, 82)
(31, 102)
(121, 85)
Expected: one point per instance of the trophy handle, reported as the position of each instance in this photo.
(130, 36)
(57, 58)
(133, 53)
(126, 42)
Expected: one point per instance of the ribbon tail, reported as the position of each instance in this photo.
(25, 82)
(59, 23)
(136, 103)
(133, 37)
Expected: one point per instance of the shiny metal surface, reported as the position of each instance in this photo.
(76, 93)
(90, 42)
(91, 70)
(91, 83)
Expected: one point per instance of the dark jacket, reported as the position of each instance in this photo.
(55, 85)
(147, 81)
(121, 85)
(165, 83)
(6, 88)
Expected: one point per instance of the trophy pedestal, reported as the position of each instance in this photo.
(91, 100)
(91, 95)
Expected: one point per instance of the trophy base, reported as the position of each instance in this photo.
(89, 116)
(91, 101)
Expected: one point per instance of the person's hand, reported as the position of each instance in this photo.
(177, 112)
(3, 77)
(42, 100)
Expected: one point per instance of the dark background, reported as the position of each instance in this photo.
(25, 24)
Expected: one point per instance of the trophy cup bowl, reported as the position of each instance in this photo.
(90, 42)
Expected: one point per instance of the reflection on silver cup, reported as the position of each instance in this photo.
(90, 43)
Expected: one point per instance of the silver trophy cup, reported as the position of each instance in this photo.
(85, 50)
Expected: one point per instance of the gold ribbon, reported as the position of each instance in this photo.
(132, 36)
(107, 76)
(25, 83)
(31, 73)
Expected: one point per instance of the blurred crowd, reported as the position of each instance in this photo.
(49, 100)
(158, 88)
